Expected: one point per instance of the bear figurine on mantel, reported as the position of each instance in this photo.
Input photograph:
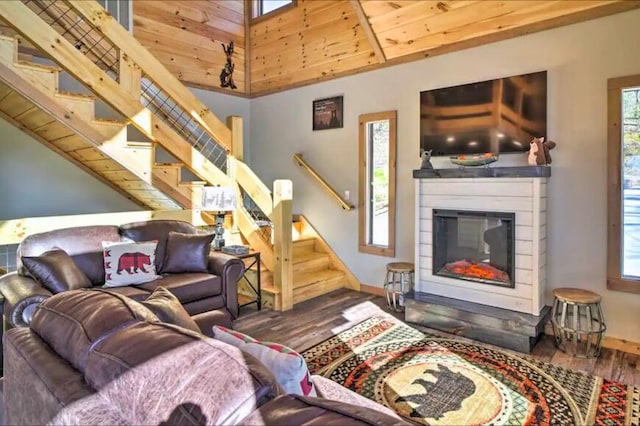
(539, 154)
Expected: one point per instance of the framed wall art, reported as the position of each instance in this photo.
(327, 113)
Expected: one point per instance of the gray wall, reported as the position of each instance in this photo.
(579, 60)
(35, 181)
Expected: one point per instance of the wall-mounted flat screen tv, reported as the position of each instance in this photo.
(497, 116)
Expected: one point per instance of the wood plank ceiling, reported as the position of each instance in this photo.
(187, 37)
(322, 39)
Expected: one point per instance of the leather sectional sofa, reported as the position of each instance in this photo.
(212, 293)
(94, 357)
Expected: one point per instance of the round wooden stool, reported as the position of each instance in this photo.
(578, 322)
(397, 283)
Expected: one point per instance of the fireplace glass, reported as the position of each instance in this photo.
(474, 246)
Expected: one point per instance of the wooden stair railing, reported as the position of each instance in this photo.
(297, 158)
(124, 96)
(153, 68)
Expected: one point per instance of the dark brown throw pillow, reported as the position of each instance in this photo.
(168, 309)
(56, 271)
(187, 252)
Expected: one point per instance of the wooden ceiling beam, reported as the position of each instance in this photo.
(366, 26)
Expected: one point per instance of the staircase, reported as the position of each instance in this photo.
(316, 269)
(66, 123)
(169, 117)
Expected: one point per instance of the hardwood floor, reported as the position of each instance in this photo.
(316, 320)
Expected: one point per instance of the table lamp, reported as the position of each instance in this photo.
(218, 199)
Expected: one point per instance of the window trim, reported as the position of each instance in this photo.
(254, 5)
(615, 280)
(363, 247)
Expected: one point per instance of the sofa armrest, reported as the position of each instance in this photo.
(207, 320)
(230, 269)
(21, 297)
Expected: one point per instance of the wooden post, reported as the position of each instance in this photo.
(282, 242)
(234, 123)
(130, 76)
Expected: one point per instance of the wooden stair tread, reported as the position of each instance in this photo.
(304, 279)
(312, 291)
(167, 165)
(109, 122)
(38, 67)
(302, 240)
(140, 144)
(307, 256)
(76, 96)
(193, 183)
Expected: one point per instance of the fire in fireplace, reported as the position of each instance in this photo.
(474, 246)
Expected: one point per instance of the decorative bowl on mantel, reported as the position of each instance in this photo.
(474, 160)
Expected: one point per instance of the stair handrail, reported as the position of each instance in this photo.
(117, 34)
(297, 158)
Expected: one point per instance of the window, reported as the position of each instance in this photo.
(121, 10)
(264, 7)
(377, 175)
(623, 252)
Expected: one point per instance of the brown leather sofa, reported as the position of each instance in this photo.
(200, 293)
(93, 357)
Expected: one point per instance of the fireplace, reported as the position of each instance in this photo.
(470, 221)
(474, 246)
(460, 202)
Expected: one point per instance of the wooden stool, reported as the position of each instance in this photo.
(397, 283)
(578, 322)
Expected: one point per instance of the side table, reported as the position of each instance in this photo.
(253, 260)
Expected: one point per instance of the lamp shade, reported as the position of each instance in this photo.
(218, 198)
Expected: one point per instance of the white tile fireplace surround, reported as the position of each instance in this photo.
(519, 190)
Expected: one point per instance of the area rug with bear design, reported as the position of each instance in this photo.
(439, 381)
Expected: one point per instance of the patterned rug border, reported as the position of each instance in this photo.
(384, 342)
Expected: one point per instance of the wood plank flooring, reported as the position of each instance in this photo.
(316, 320)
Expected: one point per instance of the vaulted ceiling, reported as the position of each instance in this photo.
(316, 40)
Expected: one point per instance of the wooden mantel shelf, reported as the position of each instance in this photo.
(481, 172)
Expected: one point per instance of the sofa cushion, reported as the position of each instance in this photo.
(127, 263)
(83, 244)
(72, 321)
(288, 366)
(187, 252)
(93, 266)
(56, 271)
(156, 230)
(133, 292)
(168, 309)
(188, 287)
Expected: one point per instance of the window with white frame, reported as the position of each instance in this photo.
(265, 7)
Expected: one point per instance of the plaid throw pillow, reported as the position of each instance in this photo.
(288, 366)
